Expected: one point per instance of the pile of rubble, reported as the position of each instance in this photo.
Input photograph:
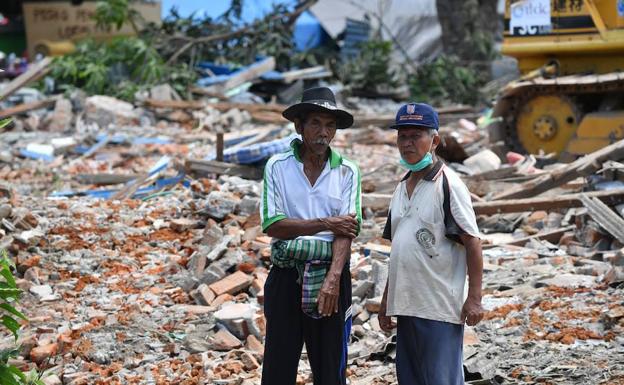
(137, 241)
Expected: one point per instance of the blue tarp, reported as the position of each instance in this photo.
(35, 155)
(256, 152)
(140, 193)
(159, 166)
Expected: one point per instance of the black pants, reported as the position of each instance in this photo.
(288, 328)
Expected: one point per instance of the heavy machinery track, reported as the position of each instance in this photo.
(516, 95)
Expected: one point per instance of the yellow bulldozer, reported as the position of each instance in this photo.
(570, 97)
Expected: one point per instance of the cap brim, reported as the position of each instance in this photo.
(406, 124)
(343, 118)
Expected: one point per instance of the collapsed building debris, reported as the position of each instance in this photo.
(160, 279)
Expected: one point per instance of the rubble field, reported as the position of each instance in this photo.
(142, 261)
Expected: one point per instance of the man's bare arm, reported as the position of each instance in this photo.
(328, 297)
(472, 312)
(288, 228)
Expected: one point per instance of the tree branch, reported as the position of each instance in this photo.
(292, 17)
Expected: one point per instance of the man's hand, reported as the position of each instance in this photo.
(385, 322)
(472, 312)
(328, 297)
(344, 226)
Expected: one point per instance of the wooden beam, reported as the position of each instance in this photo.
(609, 197)
(552, 236)
(203, 167)
(607, 218)
(221, 106)
(584, 166)
(26, 107)
(306, 73)
(245, 75)
(251, 107)
(105, 179)
(34, 72)
(220, 146)
(175, 104)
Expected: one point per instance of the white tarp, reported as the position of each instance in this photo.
(411, 24)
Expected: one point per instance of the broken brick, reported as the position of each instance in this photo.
(232, 284)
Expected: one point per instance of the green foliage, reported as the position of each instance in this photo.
(9, 295)
(270, 35)
(115, 13)
(446, 80)
(118, 68)
(4, 122)
(371, 67)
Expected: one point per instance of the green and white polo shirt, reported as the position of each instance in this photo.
(287, 192)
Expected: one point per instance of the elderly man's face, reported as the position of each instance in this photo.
(317, 130)
(415, 142)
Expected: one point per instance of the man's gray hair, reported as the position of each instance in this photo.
(433, 132)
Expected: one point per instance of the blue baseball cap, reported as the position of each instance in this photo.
(416, 114)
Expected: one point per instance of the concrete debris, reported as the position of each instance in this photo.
(105, 110)
(143, 261)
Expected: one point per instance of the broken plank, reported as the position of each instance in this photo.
(175, 104)
(33, 73)
(251, 107)
(607, 218)
(221, 106)
(221, 168)
(131, 187)
(27, 107)
(552, 236)
(584, 166)
(261, 136)
(269, 117)
(105, 179)
(245, 75)
(316, 72)
(220, 146)
(378, 201)
(204, 92)
(610, 197)
(500, 173)
(246, 134)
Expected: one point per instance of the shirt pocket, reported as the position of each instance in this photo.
(334, 205)
(427, 238)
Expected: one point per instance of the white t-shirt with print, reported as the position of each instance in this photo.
(427, 270)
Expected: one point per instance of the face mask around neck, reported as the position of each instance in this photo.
(426, 161)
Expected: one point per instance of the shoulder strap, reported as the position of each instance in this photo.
(452, 229)
(447, 201)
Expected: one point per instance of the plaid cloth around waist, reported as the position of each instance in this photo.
(312, 259)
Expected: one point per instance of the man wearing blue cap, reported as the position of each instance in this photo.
(435, 242)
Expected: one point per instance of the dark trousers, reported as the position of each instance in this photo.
(287, 328)
(429, 352)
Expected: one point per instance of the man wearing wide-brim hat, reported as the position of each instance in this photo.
(435, 242)
(311, 207)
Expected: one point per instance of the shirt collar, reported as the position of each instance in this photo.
(432, 175)
(335, 159)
